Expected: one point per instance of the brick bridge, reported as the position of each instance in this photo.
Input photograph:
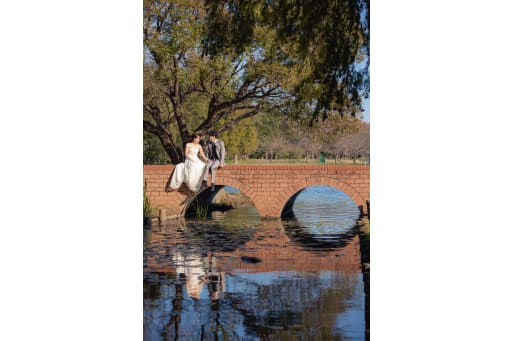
(271, 188)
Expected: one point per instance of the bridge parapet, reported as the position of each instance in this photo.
(268, 186)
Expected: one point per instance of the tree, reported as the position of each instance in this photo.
(331, 38)
(191, 89)
(154, 152)
(214, 64)
(295, 138)
(242, 140)
(357, 144)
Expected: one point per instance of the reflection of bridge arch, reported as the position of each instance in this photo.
(270, 187)
(270, 244)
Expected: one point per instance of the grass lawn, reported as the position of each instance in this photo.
(294, 162)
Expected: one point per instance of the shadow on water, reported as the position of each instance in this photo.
(234, 277)
(212, 236)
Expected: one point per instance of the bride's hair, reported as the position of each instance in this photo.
(194, 136)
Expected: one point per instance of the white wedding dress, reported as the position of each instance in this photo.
(191, 171)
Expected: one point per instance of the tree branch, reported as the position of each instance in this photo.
(250, 94)
(166, 139)
(236, 120)
(203, 85)
(154, 111)
(236, 69)
(148, 126)
(171, 114)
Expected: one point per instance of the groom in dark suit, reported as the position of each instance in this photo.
(215, 152)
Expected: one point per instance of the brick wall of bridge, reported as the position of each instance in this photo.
(268, 186)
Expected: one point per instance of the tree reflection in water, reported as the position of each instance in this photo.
(196, 286)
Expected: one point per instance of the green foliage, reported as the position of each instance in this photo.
(200, 209)
(267, 124)
(189, 88)
(242, 140)
(146, 205)
(329, 39)
(217, 64)
(154, 153)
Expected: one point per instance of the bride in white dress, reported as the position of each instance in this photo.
(191, 171)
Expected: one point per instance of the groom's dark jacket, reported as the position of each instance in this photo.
(220, 151)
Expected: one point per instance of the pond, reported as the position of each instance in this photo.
(233, 276)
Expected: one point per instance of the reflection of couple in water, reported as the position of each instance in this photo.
(194, 171)
(199, 271)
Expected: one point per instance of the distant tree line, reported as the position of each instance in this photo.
(273, 137)
(336, 137)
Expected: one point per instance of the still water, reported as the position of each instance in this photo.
(234, 277)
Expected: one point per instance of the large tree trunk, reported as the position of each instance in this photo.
(167, 141)
(175, 154)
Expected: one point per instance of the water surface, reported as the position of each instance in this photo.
(235, 277)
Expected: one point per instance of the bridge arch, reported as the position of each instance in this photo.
(222, 181)
(294, 190)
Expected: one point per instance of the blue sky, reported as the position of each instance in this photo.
(366, 110)
(366, 102)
